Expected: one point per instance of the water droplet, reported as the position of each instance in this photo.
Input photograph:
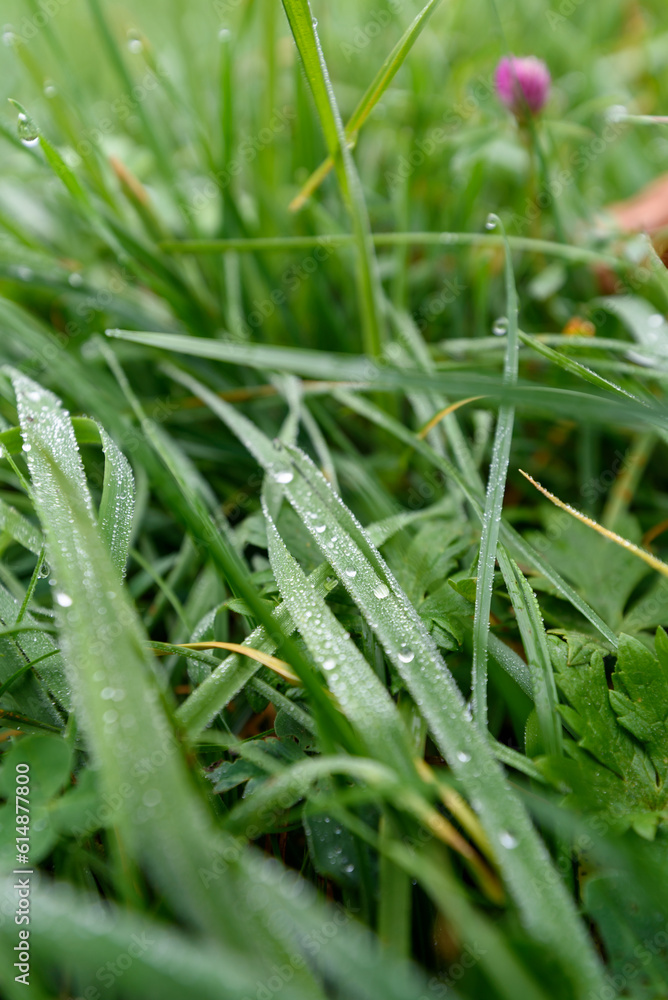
(500, 326)
(507, 840)
(463, 756)
(223, 34)
(135, 45)
(655, 320)
(381, 591)
(328, 664)
(50, 89)
(284, 476)
(351, 573)
(320, 528)
(349, 868)
(492, 221)
(152, 797)
(616, 113)
(64, 600)
(107, 693)
(8, 37)
(27, 130)
(75, 280)
(44, 571)
(406, 655)
(110, 717)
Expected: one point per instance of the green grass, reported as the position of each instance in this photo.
(288, 303)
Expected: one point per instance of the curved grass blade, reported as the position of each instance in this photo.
(230, 676)
(370, 98)
(612, 536)
(351, 680)
(601, 408)
(532, 630)
(574, 367)
(547, 910)
(303, 27)
(509, 535)
(160, 816)
(117, 503)
(71, 932)
(20, 528)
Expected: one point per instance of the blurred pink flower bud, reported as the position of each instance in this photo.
(522, 84)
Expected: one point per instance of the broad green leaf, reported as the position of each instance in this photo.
(49, 759)
(604, 574)
(609, 771)
(28, 692)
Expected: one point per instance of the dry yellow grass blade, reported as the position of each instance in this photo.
(647, 557)
(443, 413)
(278, 666)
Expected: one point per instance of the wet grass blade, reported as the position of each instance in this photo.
(491, 520)
(116, 510)
(304, 31)
(370, 98)
(163, 820)
(546, 908)
(351, 680)
(510, 537)
(532, 630)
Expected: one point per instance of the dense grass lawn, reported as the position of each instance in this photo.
(333, 512)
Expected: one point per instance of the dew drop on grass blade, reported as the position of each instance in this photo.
(496, 487)
(547, 910)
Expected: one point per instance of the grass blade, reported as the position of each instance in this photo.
(491, 521)
(532, 630)
(117, 504)
(370, 98)
(546, 908)
(303, 27)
